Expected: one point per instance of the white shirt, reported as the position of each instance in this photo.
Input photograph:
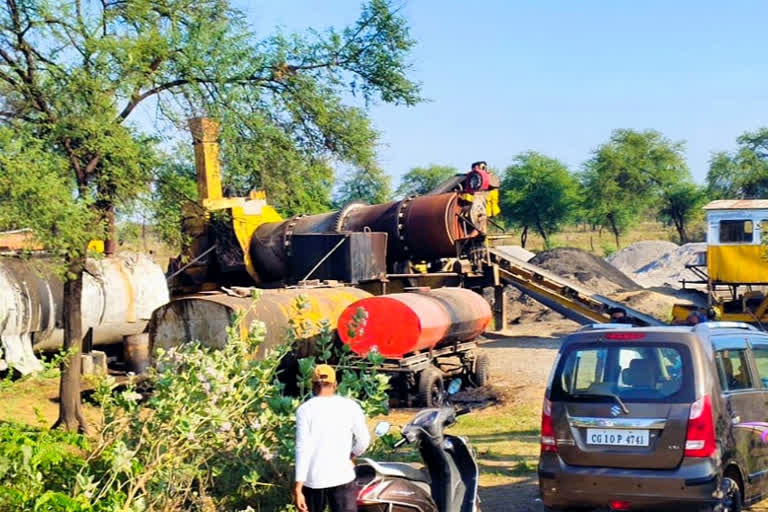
(329, 429)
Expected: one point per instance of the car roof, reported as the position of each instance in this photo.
(703, 330)
(710, 327)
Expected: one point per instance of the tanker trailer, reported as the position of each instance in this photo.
(424, 335)
(119, 295)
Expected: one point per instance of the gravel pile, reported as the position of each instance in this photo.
(583, 267)
(640, 254)
(669, 269)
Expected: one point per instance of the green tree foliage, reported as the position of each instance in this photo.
(538, 193)
(370, 185)
(420, 180)
(627, 175)
(74, 72)
(680, 204)
(744, 173)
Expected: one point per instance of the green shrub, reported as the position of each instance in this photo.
(38, 467)
(215, 433)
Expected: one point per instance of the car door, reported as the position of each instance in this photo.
(759, 346)
(744, 400)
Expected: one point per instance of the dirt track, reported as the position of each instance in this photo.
(521, 359)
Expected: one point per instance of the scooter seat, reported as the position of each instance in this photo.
(399, 470)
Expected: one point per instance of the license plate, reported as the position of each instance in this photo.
(617, 437)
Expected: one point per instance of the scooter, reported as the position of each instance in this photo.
(448, 483)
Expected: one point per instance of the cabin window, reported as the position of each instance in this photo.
(736, 231)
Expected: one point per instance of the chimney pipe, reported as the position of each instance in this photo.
(205, 137)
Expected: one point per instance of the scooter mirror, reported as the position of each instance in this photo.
(454, 386)
(381, 428)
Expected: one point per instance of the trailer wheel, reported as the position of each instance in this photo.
(431, 387)
(482, 370)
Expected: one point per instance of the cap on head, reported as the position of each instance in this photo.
(323, 374)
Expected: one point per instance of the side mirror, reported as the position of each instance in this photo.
(381, 428)
(454, 386)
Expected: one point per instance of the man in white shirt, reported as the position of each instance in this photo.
(330, 430)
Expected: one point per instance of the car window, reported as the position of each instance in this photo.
(733, 369)
(647, 373)
(760, 353)
(736, 231)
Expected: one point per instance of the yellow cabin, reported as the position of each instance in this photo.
(736, 262)
(737, 241)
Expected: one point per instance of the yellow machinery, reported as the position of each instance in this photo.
(435, 240)
(735, 265)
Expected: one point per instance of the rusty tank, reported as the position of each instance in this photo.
(417, 228)
(119, 295)
(205, 316)
(403, 323)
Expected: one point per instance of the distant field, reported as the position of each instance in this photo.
(600, 243)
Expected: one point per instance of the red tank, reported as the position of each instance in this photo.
(402, 323)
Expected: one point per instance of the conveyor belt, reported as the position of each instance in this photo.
(567, 298)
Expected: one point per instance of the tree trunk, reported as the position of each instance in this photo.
(524, 237)
(70, 409)
(680, 226)
(110, 242)
(615, 231)
(543, 234)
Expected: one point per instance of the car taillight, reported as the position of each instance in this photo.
(700, 438)
(547, 428)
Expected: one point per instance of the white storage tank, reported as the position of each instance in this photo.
(119, 295)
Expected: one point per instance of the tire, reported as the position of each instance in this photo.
(431, 387)
(731, 500)
(482, 374)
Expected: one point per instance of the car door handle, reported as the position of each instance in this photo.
(735, 419)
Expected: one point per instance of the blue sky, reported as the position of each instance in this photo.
(558, 76)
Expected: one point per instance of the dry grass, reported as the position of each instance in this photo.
(35, 401)
(505, 439)
(598, 242)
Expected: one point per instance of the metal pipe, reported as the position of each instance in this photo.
(419, 228)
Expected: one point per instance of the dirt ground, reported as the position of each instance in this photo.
(521, 359)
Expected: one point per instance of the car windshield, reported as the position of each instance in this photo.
(634, 373)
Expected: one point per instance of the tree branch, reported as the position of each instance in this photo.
(136, 99)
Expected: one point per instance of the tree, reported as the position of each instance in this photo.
(73, 73)
(420, 180)
(370, 185)
(744, 173)
(539, 193)
(627, 175)
(680, 203)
